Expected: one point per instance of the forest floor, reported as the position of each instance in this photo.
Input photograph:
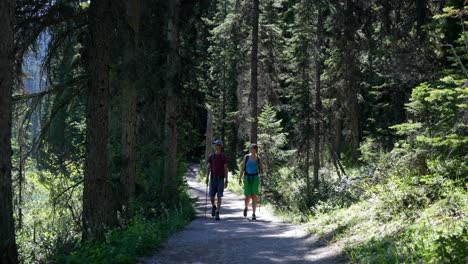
(235, 239)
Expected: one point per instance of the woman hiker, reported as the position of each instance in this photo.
(251, 167)
(217, 168)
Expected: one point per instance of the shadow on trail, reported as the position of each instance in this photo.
(235, 239)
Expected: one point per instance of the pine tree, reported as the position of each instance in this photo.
(271, 141)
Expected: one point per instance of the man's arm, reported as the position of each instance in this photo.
(225, 175)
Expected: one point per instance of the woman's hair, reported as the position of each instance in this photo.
(253, 145)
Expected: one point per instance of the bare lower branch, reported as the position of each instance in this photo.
(52, 89)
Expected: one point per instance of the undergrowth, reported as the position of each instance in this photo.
(142, 236)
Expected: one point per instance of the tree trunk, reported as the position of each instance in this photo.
(225, 87)
(420, 15)
(233, 100)
(386, 18)
(308, 126)
(307, 167)
(98, 209)
(20, 182)
(318, 99)
(351, 73)
(129, 108)
(337, 126)
(8, 249)
(209, 135)
(222, 122)
(170, 192)
(254, 73)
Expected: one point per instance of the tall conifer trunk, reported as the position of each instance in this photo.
(129, 107)
(318, 99)
(254, 73)
(8, 249)
(98, 206)
(170, 191)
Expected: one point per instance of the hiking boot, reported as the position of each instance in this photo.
(245, 212)
(217, 215)
(213, 210)
(254, 217)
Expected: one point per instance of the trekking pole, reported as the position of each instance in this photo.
(206, 199)
(260, 203)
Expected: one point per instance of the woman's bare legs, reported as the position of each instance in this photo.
(254, 202)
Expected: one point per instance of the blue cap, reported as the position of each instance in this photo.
(218, 142)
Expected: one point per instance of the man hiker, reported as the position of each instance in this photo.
(251, 167)
(217, 168)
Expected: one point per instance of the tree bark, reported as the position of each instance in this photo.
(337, 126)
(307, 112)
(254, 73)
(170, 192)
(386, 19)
(351, 73)
(307, 167)
(225, 87)
(98, 209)
(421, 14)
(209, 135)
(8, 249)
(129, 107)
(318, 99)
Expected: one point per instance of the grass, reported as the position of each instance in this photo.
(397, 223)
(141, 237)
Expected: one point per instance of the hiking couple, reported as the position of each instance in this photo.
(217, 169)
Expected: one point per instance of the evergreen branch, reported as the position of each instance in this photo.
(54, 199)
(53, 89)
(54, 111)
(456, 57)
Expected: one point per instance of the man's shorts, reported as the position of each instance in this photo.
(251, 185)
(216, 186)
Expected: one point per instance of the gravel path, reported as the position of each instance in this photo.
(236, 239)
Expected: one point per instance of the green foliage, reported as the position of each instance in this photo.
(413, 209)
(271, 141)
(51, 220)
(49, 204)
(401, 220)
(436, 132)
(142, 236)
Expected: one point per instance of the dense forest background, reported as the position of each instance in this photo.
(359, 108)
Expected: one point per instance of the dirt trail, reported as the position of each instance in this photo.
(236, 239)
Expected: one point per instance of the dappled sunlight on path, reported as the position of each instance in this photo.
(236, 239)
